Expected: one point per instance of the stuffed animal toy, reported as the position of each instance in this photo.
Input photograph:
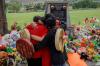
(14, 36)
(6, 39)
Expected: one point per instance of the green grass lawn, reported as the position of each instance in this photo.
(76, 16)
(21, 18)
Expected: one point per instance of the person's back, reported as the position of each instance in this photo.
(45, 52)
(58, 58)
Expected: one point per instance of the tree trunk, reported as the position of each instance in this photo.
(3, 21)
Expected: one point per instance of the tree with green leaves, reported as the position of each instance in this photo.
(85, 4)
(14, 6)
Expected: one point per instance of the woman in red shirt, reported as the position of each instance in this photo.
(38, 30)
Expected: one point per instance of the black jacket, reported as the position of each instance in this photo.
(57, 57)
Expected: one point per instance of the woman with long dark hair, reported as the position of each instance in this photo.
(58, 54)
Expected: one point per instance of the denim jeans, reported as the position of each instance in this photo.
(65, 64)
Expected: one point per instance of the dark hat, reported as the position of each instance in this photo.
(49, 15)
(50, 22)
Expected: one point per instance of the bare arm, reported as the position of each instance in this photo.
(37, 38)
(44, 43)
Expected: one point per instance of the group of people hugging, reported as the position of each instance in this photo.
(43, 32)
(53, 45)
